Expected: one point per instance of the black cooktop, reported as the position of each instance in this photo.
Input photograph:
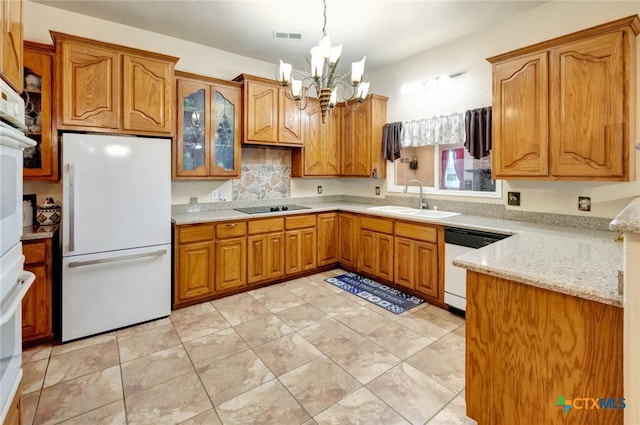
(276, 208)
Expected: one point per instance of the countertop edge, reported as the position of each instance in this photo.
(31, 233)
(551, 286)
(628, 221)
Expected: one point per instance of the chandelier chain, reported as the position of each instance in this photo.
(324, 26)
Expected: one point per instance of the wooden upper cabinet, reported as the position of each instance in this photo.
(208, 128)
(147, 94)
(270, 118)
(290, 120)
(520, 117)
(11, 43)
(40, 162)
(261, 112)
(90, 86)
(356, 146)
(564, 109)
(322, 144)
(362, 139)
(110, 88)
(587, 129)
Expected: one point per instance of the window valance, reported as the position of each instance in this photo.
(472, 128)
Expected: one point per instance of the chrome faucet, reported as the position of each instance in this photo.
(423, 203)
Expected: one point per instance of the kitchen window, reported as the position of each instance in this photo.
(443, 169)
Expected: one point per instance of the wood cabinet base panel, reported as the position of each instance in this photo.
(528, 346)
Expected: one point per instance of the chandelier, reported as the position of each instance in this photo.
(323, 77)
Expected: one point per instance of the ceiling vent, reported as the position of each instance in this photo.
(287, 35)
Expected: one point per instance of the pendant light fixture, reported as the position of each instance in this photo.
(323, 77)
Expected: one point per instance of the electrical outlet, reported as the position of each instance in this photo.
(513, 198)
(584, 203)
(319, 190)
(377, 190)
(193, 200)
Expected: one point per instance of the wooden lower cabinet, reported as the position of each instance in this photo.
(214, 259)
(547, 345)
(231, 264)
(416, 259)
(14, 412)
(300, 243)
(266, 249)
(404, 271)
(376, 254)
(196, 274)
(425, 256)
(231, 256)
(416, 266)
(375, 247)
(194, 258)
(348, 239)
(36, 305)
(328, 232)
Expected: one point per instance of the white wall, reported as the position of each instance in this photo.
(473, 90)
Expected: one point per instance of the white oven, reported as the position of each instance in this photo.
(14, 280)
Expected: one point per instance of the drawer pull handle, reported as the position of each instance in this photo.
(232, 224)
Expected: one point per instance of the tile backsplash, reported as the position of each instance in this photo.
(266, 174)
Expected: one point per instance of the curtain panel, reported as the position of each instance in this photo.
(478, 131)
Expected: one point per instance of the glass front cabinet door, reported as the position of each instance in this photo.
(41, 161)
(208, 137)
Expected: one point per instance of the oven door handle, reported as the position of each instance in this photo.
(16, 139)
(25, 279)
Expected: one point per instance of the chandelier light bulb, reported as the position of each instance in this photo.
(336, 52)
(296, 88)
(333, 99)
(317, 62)
(357, 69)
(363, 90)
(325, 46)
(285, 72)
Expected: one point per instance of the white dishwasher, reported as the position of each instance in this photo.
(457, 242)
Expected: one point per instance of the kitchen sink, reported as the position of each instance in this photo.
(433, 213)
(392, 209)
(414, 211)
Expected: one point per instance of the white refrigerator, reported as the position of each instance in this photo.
(116, 232)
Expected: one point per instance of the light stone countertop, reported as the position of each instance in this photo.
(572, 261)
(629, 219)
(38, 232)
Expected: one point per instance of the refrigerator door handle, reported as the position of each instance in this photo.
(115, 259)
(72, 205)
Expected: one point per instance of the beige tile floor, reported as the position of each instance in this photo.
(298, 353)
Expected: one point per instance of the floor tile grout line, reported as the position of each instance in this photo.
(124, 398)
